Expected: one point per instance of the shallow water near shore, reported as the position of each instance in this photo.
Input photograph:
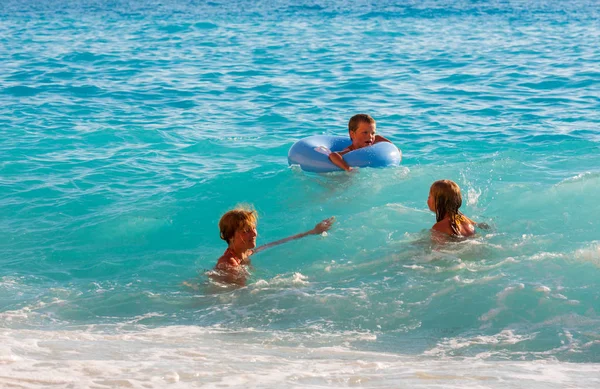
(129, 128)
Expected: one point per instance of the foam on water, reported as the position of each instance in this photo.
(130, 127)
(183, 357)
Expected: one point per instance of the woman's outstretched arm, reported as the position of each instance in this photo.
(319, 229)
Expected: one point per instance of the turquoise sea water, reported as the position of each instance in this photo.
(129, 128)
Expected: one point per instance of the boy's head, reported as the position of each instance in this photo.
(239, 222)
(362, 129)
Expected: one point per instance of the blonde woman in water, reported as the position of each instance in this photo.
(238, 229)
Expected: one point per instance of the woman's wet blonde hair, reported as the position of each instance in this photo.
(447, 200)
(243, 216)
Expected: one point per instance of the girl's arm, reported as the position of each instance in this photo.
(319, 228)
(483, 226)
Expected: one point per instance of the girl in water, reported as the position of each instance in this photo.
(445, 200)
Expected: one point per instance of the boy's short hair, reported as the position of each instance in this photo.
(231, 221)
(357, 119)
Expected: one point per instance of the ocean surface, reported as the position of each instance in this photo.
(129, 127)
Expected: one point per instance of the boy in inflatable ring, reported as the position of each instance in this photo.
(238, 229)
(361, 128)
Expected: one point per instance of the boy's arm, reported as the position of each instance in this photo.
(379, 138)
(319, 228)
(338, 160)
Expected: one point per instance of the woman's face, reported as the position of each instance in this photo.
(245, 237)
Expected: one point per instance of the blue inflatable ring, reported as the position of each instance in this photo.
(312, 154)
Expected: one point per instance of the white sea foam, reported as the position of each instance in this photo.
(28, 314)
(473, 196)
(589, 254)
(543, 289)
(579, 178)
(505, 337)
(545, 256)
(500, 301)
(296, 279)
(189, 356)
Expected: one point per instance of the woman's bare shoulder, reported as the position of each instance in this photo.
(226, 262)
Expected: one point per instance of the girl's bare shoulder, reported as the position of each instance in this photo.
(443, 226)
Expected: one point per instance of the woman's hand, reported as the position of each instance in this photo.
(323, 226)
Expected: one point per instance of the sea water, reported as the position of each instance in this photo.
(130, 127)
